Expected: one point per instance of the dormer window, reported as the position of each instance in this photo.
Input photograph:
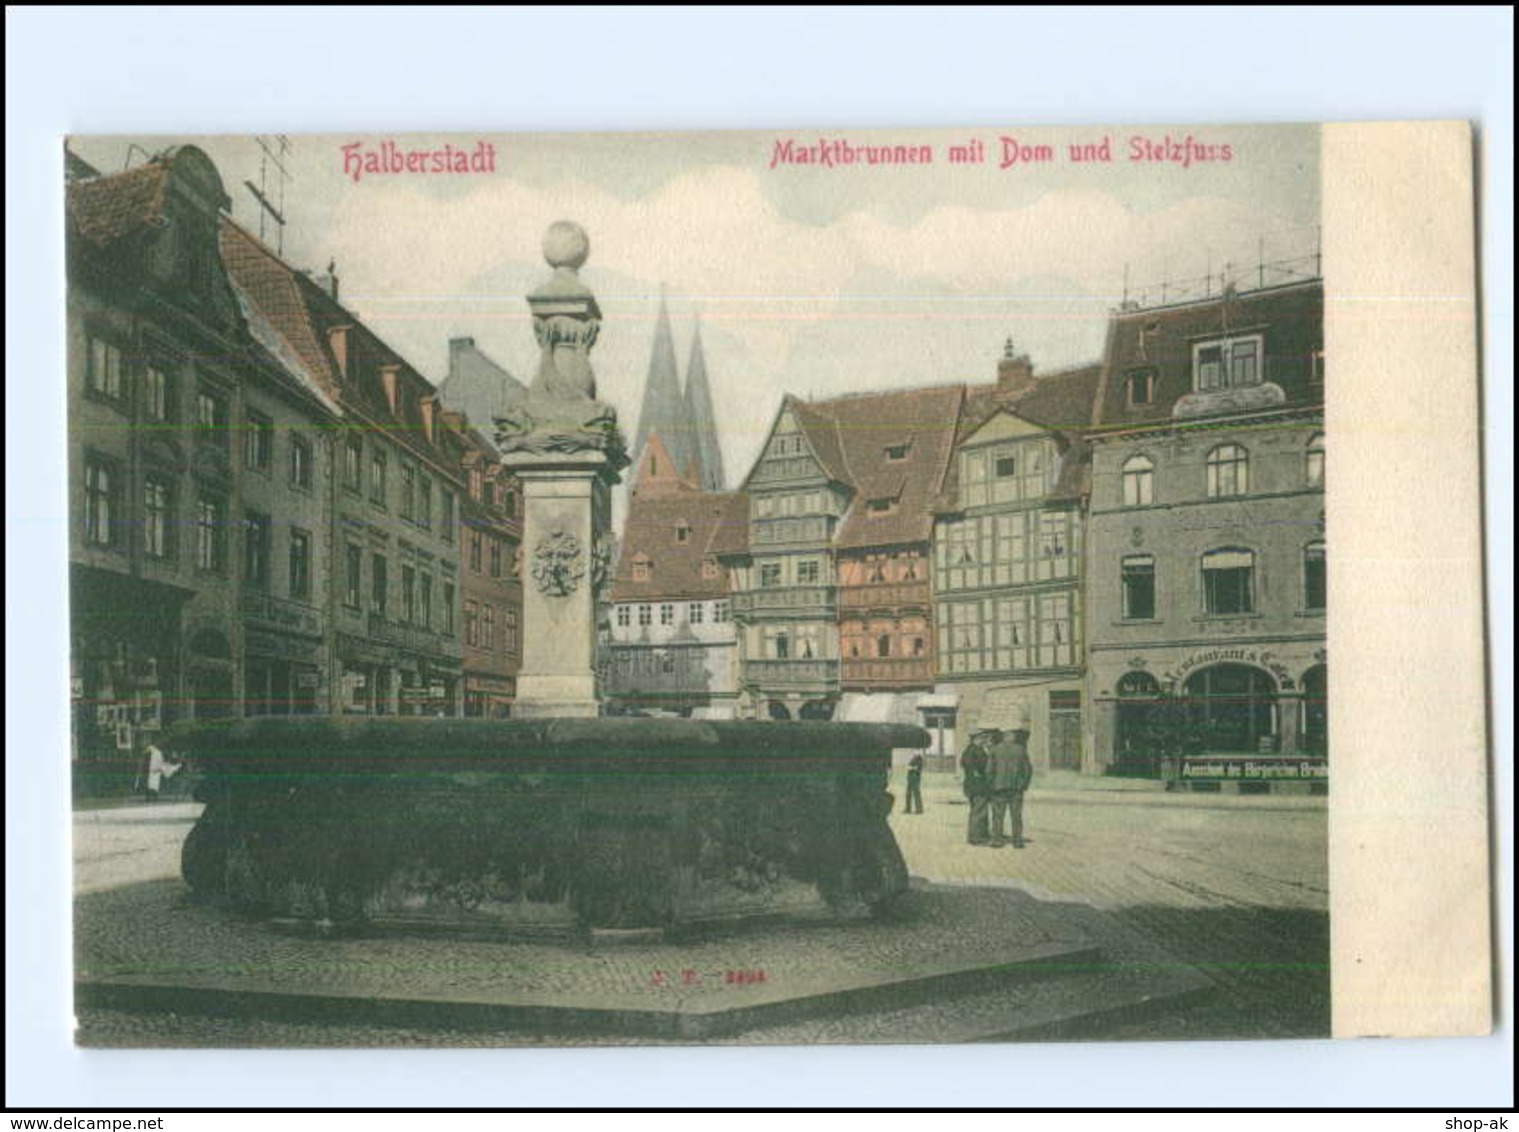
(682, 531)
(1139, 388)
(1227, 363)
(709, 568)
(642, 568)
(898, 451)
(880, 506)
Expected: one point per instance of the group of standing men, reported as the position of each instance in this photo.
(996, 771)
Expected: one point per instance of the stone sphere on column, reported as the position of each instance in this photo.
(565, 244)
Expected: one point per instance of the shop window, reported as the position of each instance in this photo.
(1228, 468)
(1138, 481)
(1229, 582)
(1138, 578)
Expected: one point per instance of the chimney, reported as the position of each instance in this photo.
(337, 339)
(1015, 373)
(390, 380)
(429, 408)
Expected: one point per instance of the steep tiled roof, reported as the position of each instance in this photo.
(275, 291)
(104, 209)
(713, 521)
(852, 434)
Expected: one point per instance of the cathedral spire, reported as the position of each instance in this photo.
(706, 451)
(664, 409)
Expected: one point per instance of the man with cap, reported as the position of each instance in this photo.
(974, 763)
(1008, 774)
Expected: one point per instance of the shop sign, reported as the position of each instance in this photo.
(1253, 768)
(1259, 657)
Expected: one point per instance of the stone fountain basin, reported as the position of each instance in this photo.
(541, 826)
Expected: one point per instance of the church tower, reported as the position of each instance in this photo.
(709, 454)
(663, 417)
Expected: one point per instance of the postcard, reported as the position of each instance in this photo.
(776, 587)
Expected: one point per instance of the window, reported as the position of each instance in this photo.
(258, 442)
(488, 623)
(353, 464)
(877, 570)
(495, 557)
(880, 506)
(645, 615)
(641, 566)
(157, 523)
(1138, 481)
(509, 629)
(897, 451)
(624, 616)
(1228, 471)
(379, 584)
(476, 483)
(472, 623)
(509, 504)
(103, 368)
(1314, 461)
(695, 612)
(448, 608)
(682, 531)
(1139, 587)
(708, 568)
(1139, 388)
(211, 535)
(917, 646)
(353, 582)
(409, 491)
(211, 418)
(377, 462)
(807, 572)
(300, 564)
(1316, 369)
(102, 490)
(719, 611)
(424, 502)
(408, 593)
(157, 393)
(424, 613)
(883, 645)
(476, 541)
(301, 461)
(770, 575)
(1229, 582)
(446, 514)
(1315, 590)
(1227, 364)
(1052, 534)
(257, 540)
(1006, 466)
(667, 614)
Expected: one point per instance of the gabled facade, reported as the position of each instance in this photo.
(1207, 546)
(784, 594)
(1008, 545)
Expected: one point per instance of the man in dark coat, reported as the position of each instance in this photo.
(974, 762)
(1008, 774)
(915, 783)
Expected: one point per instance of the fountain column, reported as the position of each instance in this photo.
(567, 452)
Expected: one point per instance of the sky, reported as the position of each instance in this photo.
(808, 280)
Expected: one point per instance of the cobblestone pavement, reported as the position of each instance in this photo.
(1236, 886)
